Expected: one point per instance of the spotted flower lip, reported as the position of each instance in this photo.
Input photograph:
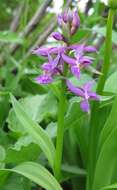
(85, 93)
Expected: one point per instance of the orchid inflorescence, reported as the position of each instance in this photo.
(58, 56)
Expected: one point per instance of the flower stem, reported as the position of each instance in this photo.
(60, 128)
(108, 50)
(95, 127)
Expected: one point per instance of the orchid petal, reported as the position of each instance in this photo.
(75, 71)
(94, 96)
(68, 59)
(90, 49)
(74, 89)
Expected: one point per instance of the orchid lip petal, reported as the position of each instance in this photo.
(75, 71)
(85, 105)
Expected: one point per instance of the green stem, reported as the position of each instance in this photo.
(95, 127)
(60, 128)
(108, 50)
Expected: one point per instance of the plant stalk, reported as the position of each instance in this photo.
(108, 50)
(60, 128)
(95, 128)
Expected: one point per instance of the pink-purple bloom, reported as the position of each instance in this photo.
(75, 55)
(85, 93)
(80, 60)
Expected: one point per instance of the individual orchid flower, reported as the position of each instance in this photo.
(50, 69)
(77, 63)
(85, 93)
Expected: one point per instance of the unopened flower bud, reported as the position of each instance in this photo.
(112, 4)
(65, 16)
(75, 23)
(58, 36)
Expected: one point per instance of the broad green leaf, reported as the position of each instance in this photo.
(109, 187)
(110, 83)
(16, 181)
(109, 125)
(38, 107)
(39, 136)
(8, 36)
(106, 161)
(23, 150)
(36, 173)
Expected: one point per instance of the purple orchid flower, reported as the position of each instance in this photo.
(79, 60)
(53, 67)
(77, 63)
(85, 93)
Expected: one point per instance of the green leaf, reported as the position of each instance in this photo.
(39, 136)
(109, 86)
(36, 173)
(106, 161)
(16, 181)
(38, 107)
(111, 122)
(2, 156)
(23, 150)
(113, 186)
(8, 36)
(73, 170)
